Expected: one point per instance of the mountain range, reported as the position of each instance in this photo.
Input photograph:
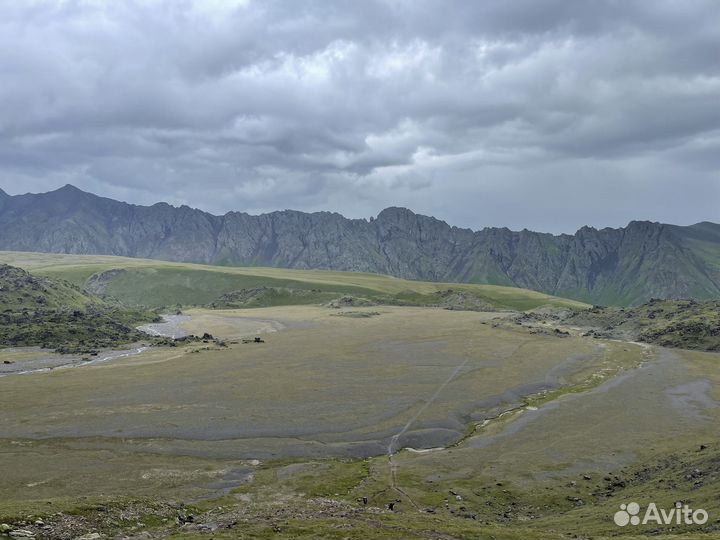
(622, 266)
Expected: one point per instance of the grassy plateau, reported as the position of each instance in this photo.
(150, 283)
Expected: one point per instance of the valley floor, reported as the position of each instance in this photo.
(467, 426)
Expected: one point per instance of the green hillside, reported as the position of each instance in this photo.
(53, 313)
(151, 284)
(21, 291)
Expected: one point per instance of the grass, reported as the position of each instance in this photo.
(326, 478)
(346, 380)
(157, 283)
(265, 296)
(148, 438)
(628, 430)
(191, 286)
(169, 424)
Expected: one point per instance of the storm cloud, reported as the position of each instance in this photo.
(541, 114)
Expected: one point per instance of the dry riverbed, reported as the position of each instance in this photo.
(31, 360)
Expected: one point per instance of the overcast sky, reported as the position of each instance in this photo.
(545, 114)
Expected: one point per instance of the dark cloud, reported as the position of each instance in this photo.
(542, 114)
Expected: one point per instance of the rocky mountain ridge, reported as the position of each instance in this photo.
(609, 266)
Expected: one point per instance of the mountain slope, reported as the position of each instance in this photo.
(611, 266)
(38, 310)
(21, 291)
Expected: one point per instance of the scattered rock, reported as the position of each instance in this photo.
(21, 533)
(97, 283)
(357, 314)
(348, 301)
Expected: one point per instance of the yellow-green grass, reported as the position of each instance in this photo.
(170, 424)
(153, 282)
(341, 383)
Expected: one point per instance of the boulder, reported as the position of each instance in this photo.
(21, 533)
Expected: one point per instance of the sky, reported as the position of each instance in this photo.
(539, 114)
